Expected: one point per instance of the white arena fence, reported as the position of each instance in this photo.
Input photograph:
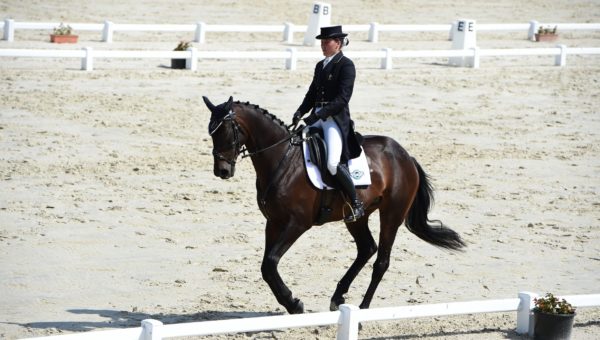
(347, 319)
(108, 28)
(291, 55)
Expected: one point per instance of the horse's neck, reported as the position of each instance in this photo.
(263, 132)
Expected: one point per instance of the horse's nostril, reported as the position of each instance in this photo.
(223, 173)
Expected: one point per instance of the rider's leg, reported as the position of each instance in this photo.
(333, 138)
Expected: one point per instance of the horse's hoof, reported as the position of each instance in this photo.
(298, 307)
(335, 304)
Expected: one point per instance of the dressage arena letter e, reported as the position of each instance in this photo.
(461, 26)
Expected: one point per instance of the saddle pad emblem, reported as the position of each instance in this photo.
(357, 174)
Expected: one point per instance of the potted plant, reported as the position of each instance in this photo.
(546, 34)
(553, 318)
(180, 63)
(63, 34)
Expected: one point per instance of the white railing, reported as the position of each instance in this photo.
(288, 29)
(291, 55)
(347, 319)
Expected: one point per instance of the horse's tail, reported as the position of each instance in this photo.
(418, 222)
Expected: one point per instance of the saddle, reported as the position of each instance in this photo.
(315, 161)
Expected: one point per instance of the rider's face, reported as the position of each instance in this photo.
(330, 46)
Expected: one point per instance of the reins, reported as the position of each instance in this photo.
(243, 150)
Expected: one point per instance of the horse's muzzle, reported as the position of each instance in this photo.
(224, 173)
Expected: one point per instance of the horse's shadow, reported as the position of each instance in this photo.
(124, 319)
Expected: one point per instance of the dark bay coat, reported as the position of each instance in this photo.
(334, 85)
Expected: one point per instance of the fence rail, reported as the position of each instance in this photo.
(346, 319)
(291, 55)
(288, 29)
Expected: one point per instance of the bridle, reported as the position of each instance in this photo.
(294, 137)
(236, 144)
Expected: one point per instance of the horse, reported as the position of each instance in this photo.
(400, 189)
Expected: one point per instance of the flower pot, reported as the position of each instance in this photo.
(63, 39)
(552, 326)
(546, 37)
(178, 63)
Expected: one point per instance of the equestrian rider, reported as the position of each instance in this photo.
(327, 99)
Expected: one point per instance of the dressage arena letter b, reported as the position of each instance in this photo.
(320, 16)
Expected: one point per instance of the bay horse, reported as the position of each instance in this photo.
(400, 190)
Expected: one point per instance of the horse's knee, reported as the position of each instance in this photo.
(372, 250)
(380, 266)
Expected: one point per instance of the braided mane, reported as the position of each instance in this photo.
(265, 112)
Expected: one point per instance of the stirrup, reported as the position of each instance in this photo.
(357, 211)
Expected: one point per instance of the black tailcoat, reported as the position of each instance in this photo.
(334, 85)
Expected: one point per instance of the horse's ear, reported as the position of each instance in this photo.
(210, 105)
(229, 103)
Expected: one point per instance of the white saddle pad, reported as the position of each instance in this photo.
(359, 168)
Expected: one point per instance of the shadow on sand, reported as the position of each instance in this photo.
(124, 319)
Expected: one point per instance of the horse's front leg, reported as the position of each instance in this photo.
(278, 240)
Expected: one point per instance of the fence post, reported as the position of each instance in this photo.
(373, 32)
(475, 56)
(290, 63)
(191, 63)
(525, 321)
(561, 59)
(200, 32)
(533, 28)
(151, 330)
(9, 29)
(87, 62)
(288, 32)
(107, 32)
(348, 325)
(386, 61)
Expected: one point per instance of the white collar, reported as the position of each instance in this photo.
(328, 59)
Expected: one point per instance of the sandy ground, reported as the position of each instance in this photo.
(110, 214)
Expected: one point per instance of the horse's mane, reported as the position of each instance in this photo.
(265, 112)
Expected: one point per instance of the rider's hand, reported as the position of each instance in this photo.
(297, 117)
(310, 120)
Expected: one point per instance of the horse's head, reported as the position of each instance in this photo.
(226, 136)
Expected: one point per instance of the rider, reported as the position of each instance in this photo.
(327, 99)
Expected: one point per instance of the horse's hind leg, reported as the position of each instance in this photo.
(387, 236)
(366, 247)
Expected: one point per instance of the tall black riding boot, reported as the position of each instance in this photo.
(343, 177)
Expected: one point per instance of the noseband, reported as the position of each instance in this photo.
(235, 144)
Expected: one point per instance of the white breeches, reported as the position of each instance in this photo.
(333, 139)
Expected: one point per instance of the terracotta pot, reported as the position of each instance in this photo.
(178, 63)
(552, 326)
(63, 39)
(546, 37)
